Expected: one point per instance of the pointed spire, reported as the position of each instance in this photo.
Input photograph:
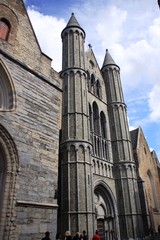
(73, 22)
(108, 60)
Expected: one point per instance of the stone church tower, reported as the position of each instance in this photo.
(98, 182)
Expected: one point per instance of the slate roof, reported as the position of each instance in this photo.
(73, 22)
(134, 137)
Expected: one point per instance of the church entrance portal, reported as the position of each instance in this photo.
(106, 214)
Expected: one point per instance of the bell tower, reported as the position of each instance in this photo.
(76, 191)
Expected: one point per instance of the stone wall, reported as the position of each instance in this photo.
(149, 174)
(34, 127)
(22, 42)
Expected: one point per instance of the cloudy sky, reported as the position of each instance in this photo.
(130, 29)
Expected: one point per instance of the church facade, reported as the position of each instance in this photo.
(66, 157)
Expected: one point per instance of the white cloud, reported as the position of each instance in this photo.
(154, 32)
(154, 104)
(48, 31)
(131, 31)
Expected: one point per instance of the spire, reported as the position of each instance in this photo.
(108, 60)
(73, 22)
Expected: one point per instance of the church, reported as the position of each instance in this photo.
(67, 158)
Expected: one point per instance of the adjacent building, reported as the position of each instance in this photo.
(148, 179)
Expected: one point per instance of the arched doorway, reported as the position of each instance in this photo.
(106, 212)
(2, 176)
(9, 165)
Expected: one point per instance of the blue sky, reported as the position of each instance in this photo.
(130, 29)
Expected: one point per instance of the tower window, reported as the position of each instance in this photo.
(4, 28)
(98, 89)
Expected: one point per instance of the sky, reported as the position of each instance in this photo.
(130, 30)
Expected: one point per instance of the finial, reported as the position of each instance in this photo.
(72, 14)
(89, 45)
(106, 50)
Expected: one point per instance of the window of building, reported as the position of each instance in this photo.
(7, 91)
(103, 124)
(92, 83)
(90, 118)
(91, 64)
(4, 28)
(98, 89)
(96, 118)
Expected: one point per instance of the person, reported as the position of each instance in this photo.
(151, 230)
(47, 234)
(67, 235)
(58, 236)
(84, 235)
(96, 236)
(77, 236)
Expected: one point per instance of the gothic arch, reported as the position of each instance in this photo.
(12, 22)
(90, 118)
(106, 210)
(103, 124)
(7, 90)
(92, 83)
(88, 80)
(98, 89)
(96, 118)
(8, 170)
(5, 27)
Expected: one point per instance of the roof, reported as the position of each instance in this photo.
(108, 60)
(134, 137)
(73, 22)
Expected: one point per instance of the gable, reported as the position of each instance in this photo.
(95, 79)
(21, 41)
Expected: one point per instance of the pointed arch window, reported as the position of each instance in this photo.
(96, 118)
(7, 92)
(91, 64)
(88, 81)
(4, 28)
(103, 124)
(90, 118)
(92, 83)
(98, 89)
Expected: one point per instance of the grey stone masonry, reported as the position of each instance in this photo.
(76, 212)
(34, 127)
(124, 166)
